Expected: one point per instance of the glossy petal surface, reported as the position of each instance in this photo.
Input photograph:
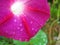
(24, 27)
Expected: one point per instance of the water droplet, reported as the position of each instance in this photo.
(21, 29)
(39, 43)
(14, 20)
(32, 28)
(44, 40)
(31, 22)
(13, 32)
(20, 25)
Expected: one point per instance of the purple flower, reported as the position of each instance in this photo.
(24, 27)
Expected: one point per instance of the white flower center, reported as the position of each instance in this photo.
(17, 8)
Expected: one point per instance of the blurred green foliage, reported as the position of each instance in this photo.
(39, 38)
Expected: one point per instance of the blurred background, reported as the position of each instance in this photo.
(51, 29)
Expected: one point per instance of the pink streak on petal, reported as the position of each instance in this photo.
(6, 18)
(27, 28)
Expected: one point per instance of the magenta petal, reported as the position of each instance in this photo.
(35, 15)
